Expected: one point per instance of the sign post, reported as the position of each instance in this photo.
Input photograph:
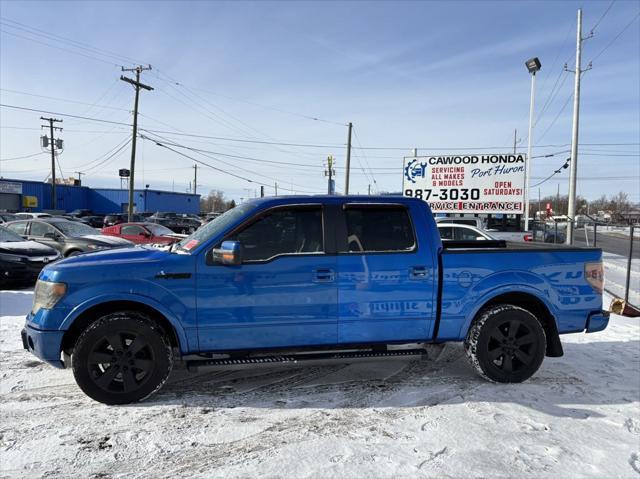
(469, 183)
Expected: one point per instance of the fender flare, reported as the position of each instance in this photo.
(134, 298)
(505, 289)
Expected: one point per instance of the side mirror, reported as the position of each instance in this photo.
(52, 236)
(229, 253)
(144, 234)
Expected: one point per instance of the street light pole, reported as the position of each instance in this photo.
(533, 65)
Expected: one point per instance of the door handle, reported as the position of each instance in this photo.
(418, 272)
(323, 275)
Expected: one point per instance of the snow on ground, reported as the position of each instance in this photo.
(578, 416)
(615, 276)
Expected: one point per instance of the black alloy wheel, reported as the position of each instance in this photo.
(121, 358)
(506, 343)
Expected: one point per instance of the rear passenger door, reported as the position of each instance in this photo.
(386, 285)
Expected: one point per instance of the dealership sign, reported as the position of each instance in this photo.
(484, 183)
(10, 187)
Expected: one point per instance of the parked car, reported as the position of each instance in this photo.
(6, 217)
(461, 232)
(24, 215)
(117, 218)
(511, 235)
(93, 221)
(175, 222)
(297, 280)
(79, 213)
(144, 233)
(70, 238)
(20, 260)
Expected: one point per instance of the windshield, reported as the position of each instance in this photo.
(75, 229)
(8, 235)
(158, 230)
(214, 227)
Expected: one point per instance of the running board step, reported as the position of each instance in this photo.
(303, 359)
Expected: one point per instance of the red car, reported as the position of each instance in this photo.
(144, 233)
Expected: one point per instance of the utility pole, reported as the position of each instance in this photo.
(573, 167)
(515, 140)
(369, 189)
(262, 191)
(348, 166)
(53, 158)
(276, 188)
(136, 83)
(195, 178)
(329, 172)
(79, 173)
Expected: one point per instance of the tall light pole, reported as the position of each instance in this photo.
(533, 65)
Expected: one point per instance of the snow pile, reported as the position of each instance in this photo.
(578, 416)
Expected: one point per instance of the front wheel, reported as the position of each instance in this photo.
(506, 344)
(121, 358)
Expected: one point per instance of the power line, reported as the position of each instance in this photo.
(62, 99)
(267, 107)
(249, 180)
(300, 187)
(616, 37)
(26, 156)
(58, 47)
(67, 41)
(593, 29)
(556, 117)
(307, 145)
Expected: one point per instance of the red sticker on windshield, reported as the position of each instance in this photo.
(191, 244)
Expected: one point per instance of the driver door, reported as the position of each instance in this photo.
(283, 294)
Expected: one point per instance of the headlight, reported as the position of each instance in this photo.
(47, 294)
(96, 246)
(13, 258)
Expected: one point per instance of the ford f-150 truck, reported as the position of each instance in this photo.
(307, 279)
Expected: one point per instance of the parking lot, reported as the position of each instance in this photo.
(579, 415)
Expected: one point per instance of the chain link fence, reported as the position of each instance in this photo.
(620, 246)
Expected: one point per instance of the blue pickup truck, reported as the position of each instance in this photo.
(297, 280)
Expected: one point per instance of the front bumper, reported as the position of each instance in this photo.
(44, 344)
(597, 321)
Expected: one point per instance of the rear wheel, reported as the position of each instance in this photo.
(121, 358)
(506, 344)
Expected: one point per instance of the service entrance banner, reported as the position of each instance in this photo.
(484, 183)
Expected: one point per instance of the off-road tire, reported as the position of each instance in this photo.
(506, 344)
(133, 370)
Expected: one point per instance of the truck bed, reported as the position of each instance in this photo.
(508, 246)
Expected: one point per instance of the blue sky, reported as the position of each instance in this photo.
(407, 74)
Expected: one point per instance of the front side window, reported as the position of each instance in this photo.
(384, 228)
(40, 229)
(282, 231)
(446, 232)
(466, 234)
(132, 230)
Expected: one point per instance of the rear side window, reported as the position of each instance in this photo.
(18, 227)
(378, 229)
(282, 231)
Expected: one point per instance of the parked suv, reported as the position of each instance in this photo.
(71, 238)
